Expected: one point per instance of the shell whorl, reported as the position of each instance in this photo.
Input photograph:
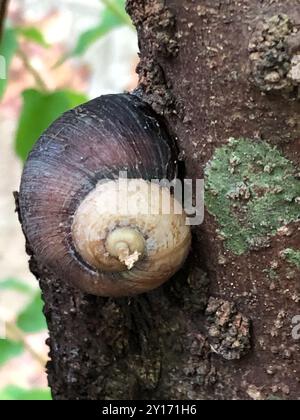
(89, 144)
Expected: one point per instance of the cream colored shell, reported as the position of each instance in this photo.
(133, 227)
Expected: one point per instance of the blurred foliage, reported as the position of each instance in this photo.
(31, 319)
(8, 48)
(114, 15)
(9, 349)
(32, 34)
(14, 284)
(40, 108)
(15, 393)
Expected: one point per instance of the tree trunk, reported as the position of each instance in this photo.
(217, 70)
(3, 9)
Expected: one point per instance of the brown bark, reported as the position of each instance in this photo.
(3, 9)
(195, 70)
(214, 100)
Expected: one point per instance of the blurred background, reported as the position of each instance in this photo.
(58, 54)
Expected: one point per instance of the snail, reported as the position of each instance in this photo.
(72, 199)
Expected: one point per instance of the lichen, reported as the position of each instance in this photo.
(274, 55)
(292, 256)
(253, 191)
(271, 273)
(228, 330)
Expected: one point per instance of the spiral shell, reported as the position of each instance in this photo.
(67, 191)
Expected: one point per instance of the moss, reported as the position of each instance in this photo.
(292, 256)
(252, 191)
(271, 274)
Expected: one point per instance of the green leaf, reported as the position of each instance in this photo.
(118, 8)
(8, 350)
(31, 319)
(39, 110)
(16, 393)
(112, 17)
(33, 34)
(8, 47)
(15, 284)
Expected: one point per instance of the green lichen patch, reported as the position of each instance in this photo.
(271, 273)
(292, 256)
(252, 191)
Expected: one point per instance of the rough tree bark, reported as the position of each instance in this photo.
(217, 69)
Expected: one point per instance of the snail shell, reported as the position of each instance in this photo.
(70, 185)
